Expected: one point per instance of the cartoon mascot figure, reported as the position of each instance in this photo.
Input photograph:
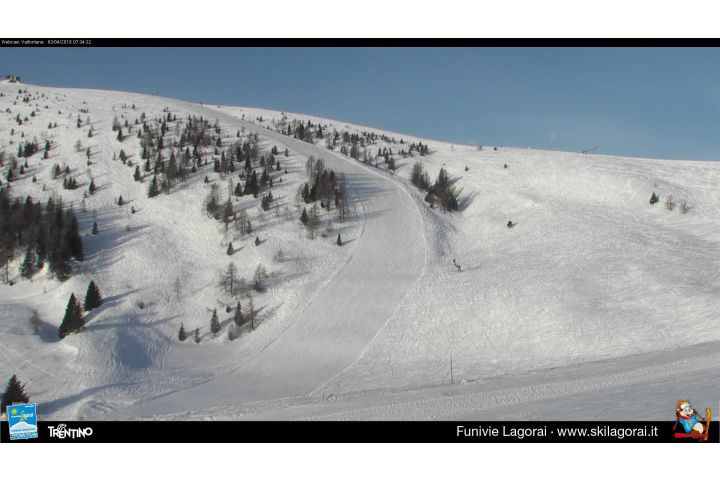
(688, 418)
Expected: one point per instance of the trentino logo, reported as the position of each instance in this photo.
(62, 432)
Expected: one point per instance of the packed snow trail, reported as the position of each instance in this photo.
(341, 319)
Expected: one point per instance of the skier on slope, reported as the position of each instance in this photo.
(688, 418)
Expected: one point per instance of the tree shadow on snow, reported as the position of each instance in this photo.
(54, 405)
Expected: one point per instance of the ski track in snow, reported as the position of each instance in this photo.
(346, 312)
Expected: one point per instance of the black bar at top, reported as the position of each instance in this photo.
(354, 42)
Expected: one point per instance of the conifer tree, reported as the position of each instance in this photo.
(154, 189)
(137, 175)
(304, 217)
(214, 323)
(230, 249)
(238, 318)
(73, 321)
(120, 201)
(339, 241)
(93, 299)
(260, 279)
(28, 266)
(196, 335)
(227, 213)
(95, 229)
(14, 393)
(182, 335)
(92, 188)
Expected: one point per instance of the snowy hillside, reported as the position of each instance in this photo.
(593, 294)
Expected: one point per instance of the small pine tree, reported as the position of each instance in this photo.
(182, 334)
(214, 323)
(14, 393)
(92, 188)
(196, 335)
(257, 241)
(154, 189)
(120, 201)
(339, 241)
(95, 229)
(304, 217)
(73, 321)
(230, 249)
(238, 318)
(93, 299)
(260, 279)
(28, 266)
(137, 175)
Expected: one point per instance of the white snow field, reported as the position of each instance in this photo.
(596, 305)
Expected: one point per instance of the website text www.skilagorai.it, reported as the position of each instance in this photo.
(599, 431)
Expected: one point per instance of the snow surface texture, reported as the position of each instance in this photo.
(594, 299)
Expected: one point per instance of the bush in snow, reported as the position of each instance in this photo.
(669, 204)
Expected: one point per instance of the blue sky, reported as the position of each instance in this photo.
(652, 102)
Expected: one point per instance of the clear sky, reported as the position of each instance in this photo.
(652, 102)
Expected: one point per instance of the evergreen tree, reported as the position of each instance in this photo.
(238, 318)
(339, 241)
(137, 175)
(92, 188)
(260, 279)
(14, 393)
(93, 299)
(182, 335)
(95, 229)
(214, 323)
(28, 266)
(227, 213)
(304, 217)
(120, 201)
(72, 236)
(154, 189)
(73, 321)
(196, 335)
(230, 249)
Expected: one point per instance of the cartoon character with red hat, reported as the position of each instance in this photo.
(689, 419)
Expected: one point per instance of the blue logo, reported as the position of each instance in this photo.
(22, 420)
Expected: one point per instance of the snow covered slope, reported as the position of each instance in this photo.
(594, 297)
